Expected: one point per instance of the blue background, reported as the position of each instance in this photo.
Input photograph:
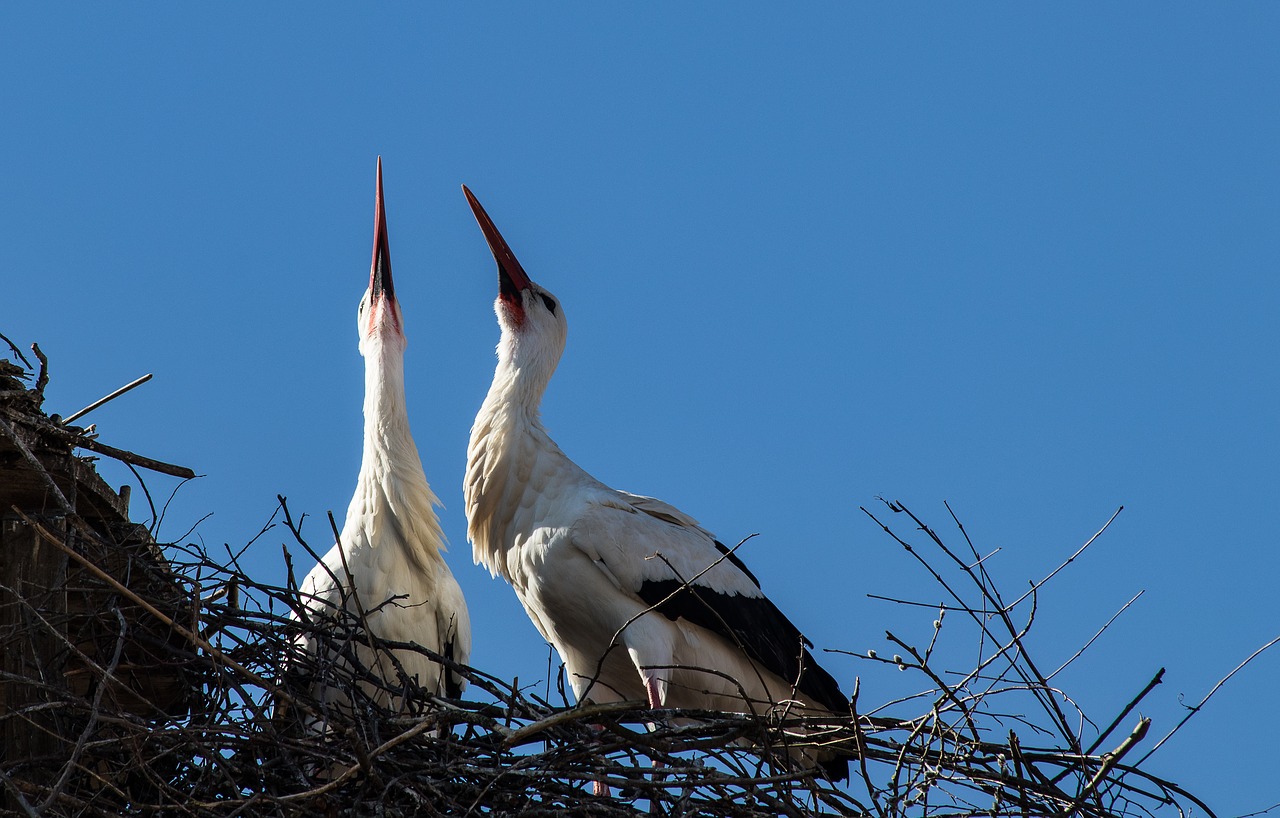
(1021, 259)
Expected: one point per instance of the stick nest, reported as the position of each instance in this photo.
(995, 738)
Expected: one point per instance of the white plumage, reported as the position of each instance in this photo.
(391, 542)
(602, 573)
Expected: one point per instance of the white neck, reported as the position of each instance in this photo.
(508, 445)
(392, 486)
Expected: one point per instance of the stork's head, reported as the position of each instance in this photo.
(533, 324)
(379, 318)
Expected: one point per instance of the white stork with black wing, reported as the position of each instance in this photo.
(641, 602)
(388, 563)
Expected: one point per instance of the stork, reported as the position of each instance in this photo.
(387, 565)
(640, 601)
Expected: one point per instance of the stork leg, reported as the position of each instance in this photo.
(653, 686)
(656, 690)
(598, 787)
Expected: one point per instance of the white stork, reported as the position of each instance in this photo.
(390, 546)
(641, 602)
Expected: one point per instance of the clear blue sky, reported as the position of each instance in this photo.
(1024, 261)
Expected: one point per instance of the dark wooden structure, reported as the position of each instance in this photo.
(74, 642)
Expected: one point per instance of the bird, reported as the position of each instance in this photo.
(387, 565)
(641, 602)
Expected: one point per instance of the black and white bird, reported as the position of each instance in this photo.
(640, 601)
(391, 544)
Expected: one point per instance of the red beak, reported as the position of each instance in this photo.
(380, 271)
(511, 276)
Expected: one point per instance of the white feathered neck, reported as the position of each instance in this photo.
(393, 505)
(510, 449)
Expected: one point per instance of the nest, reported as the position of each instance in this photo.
(180, 689)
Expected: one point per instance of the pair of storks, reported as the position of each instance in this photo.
(640, 601)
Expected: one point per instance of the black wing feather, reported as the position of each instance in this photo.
(757, 626)
(733, 558)
(452, 683)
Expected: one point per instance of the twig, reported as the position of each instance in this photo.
(423, 726)
(1110, 760)
(929, 605)
(1070, 559)
(100, 401)
(1193, 710)
(13, 790)
(1101, 630)
(1029, 673)
(43, 379)
(134, 459)
(580, 712)
(16, 351)
(1155, 680)
(155, 519)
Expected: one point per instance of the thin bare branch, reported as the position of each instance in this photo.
(106, 399)
(1193, 710)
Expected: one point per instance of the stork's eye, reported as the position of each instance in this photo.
(549, 302)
